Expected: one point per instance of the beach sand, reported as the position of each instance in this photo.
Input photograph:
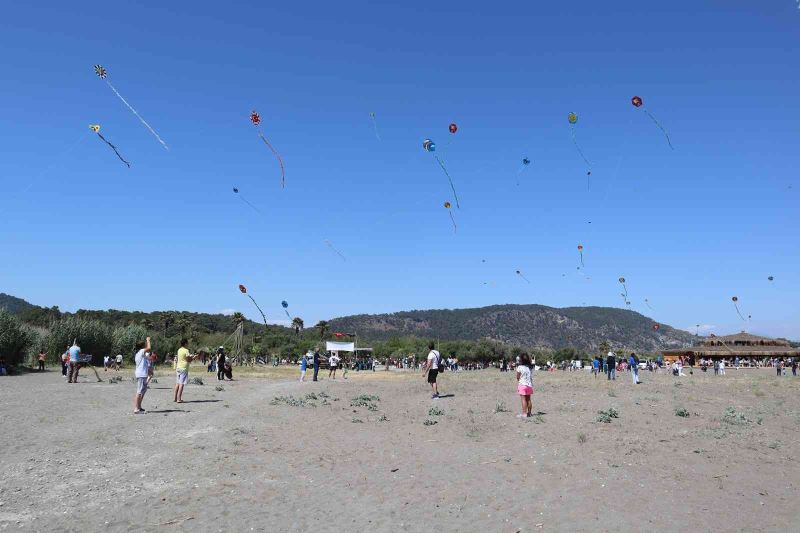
(74, 458)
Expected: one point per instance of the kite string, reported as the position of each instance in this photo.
(455, 227)
(332, 247)
(80, 139)
(113, 148)
(138, 115)
(375, 128)
(448, 179)
(660, 127)
(737, 310)
(251, 205)
(280, 159)
(575, 142)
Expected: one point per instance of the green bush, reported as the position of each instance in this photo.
(93, 337)
(125, 339)
(14, 339)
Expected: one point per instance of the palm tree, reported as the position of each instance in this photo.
(323, 328)
(297, 324)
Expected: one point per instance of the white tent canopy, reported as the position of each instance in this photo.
(333, 346)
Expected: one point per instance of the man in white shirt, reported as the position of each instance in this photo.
(142, 359)
(119, 361)
(431, 369)
(106, 362)
(333, 364)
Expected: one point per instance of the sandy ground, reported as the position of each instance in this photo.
(75, 459)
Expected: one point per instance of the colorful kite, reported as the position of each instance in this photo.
(735, 301)
(102, 73)
(335, 250)
(580, 251)
(255, 118)
(624, 294)
(374, 125)
(637, 103)
(656, 327)
(430, 147)
(96, 128)
(452, 128)
(520, 274)
(573, 119)
(285, 306)
(242, 198)
(453, 220)
(243, 290)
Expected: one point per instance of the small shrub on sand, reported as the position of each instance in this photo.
(311, 396)
(581, 438)
(219, 388)
(291, 400)
(115, 379)
(435, 411)
(196, 381)
(611, 393)
(606, 416)
(357, 421)
(429, 422)
(682, 412)
(734, 417)
(500, 407)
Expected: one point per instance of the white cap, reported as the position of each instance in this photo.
(610, 354)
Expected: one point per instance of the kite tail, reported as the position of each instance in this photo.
(138, 115)
(737, 310)
(455, 228)
(335, 250)
(251, 205)
(287, 314)
(113, 148)
(448, 179)
(581, 259)
(523, 277)
(660, 127)
(277, 155)
(259, 310)
(580, 152)
(375, 129)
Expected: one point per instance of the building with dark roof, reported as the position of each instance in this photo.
(741, 345)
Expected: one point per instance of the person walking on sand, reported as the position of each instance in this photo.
(182, 361)
(333, 364)
(633, 361)
(316, 364)
(142, 360)
(596, 366)
(41, 358)
(119, 362)
(65, 362)
(611, 366)
(431, 369)
(303, 366)
(106, 362)
(74, 362)
(525, 385)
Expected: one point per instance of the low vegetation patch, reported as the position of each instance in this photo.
(734, 417)
(429, 422)
(196, 381)
(606, 416)
(291, 400)
(115, 379)
(582, 438)
(682, 412)
(365, 400)
(500, 407)
(219, 388)
(435, 411)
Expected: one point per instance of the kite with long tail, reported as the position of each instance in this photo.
(430, 147)
(573, 119)
(447, 206)
(96, 128)
(624, 294)
(102, 73)
(647, 303)
(242, 198)
(520, 274)
(374, 125)
(580, 251)
(285, 306)
(332, 247)
(637, 103)
(255, 118)
(243, 290)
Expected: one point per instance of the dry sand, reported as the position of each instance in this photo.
(75, 459)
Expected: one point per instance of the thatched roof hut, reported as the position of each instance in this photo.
(739, 345)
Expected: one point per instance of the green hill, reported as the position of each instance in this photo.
(12, 304)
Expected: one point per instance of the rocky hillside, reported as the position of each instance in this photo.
(540, 326)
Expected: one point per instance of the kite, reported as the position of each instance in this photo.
(580, 251)
(243, 290)
(656, 327)
(430, 147)
(770, 278)
(452, 128)
(285, 306)
(255, 118)
(525, 163)
(102, 73)
(637, 103)
(573, 119)
(374, 125)
(335, 250)
(647, 303)
(242, 198)
(520, 274)
(624, 294)
(96, 128)
(453, 220)
(735, 301)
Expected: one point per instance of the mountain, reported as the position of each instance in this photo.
(537, 326)
(12, 304)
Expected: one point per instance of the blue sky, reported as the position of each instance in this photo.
(687, 228)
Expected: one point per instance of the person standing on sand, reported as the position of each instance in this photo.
(431, 369)
(525, 384)
(119, 362)
(74, 362)
(316, 364)
(142, 361)
(596, 366)
(41, 358)
(611, 366)
(333, 364)
(303, 366)
(221, 364)
(65, 362)
(182, 361)
(633, 361)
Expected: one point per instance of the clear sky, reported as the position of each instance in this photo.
(688, 228)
